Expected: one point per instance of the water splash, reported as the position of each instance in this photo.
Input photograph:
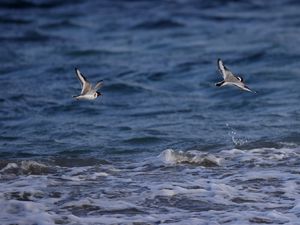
(236, 139)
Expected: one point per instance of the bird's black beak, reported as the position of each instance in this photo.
(98, 93)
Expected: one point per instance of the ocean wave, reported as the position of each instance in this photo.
(157, 76)
(31, 36)
(191, 184)
(10, 20)
(262, 156)
(24, 4)
(25, 167)
(143, 140)
(63, 24)
(31, 212)
(93, 52)
(170, 156)
(160, 112)
(125, 87)
(249, 157)
(159, 24)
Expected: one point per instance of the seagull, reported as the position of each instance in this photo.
(230, 79)
(87, 92)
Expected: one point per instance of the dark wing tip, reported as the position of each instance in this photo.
(100, 82)
(220, 62)
(78, 73)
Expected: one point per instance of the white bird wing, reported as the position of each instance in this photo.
(98, 85)
(243, 87)
(248, 89)
(226, 73)
(85, 84)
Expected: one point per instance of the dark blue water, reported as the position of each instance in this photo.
(158, 63)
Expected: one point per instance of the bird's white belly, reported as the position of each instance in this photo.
(86, 97)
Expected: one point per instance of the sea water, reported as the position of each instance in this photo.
(163, 145)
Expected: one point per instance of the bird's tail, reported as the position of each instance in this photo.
(219, 84)
(75, 96)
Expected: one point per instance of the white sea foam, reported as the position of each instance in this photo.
(24, 212)
(170, 156)
(24, 167)
(256, 186)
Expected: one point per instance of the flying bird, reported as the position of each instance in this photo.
(230, 79)
(87, 92)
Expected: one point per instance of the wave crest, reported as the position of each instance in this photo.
(25, 167)
(169, 156)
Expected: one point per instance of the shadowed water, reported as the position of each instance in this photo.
(163, 145)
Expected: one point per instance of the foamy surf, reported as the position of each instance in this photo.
(170, 156)
(255, 186)
(25, 167)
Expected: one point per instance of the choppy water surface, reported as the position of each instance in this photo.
(163, 145)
